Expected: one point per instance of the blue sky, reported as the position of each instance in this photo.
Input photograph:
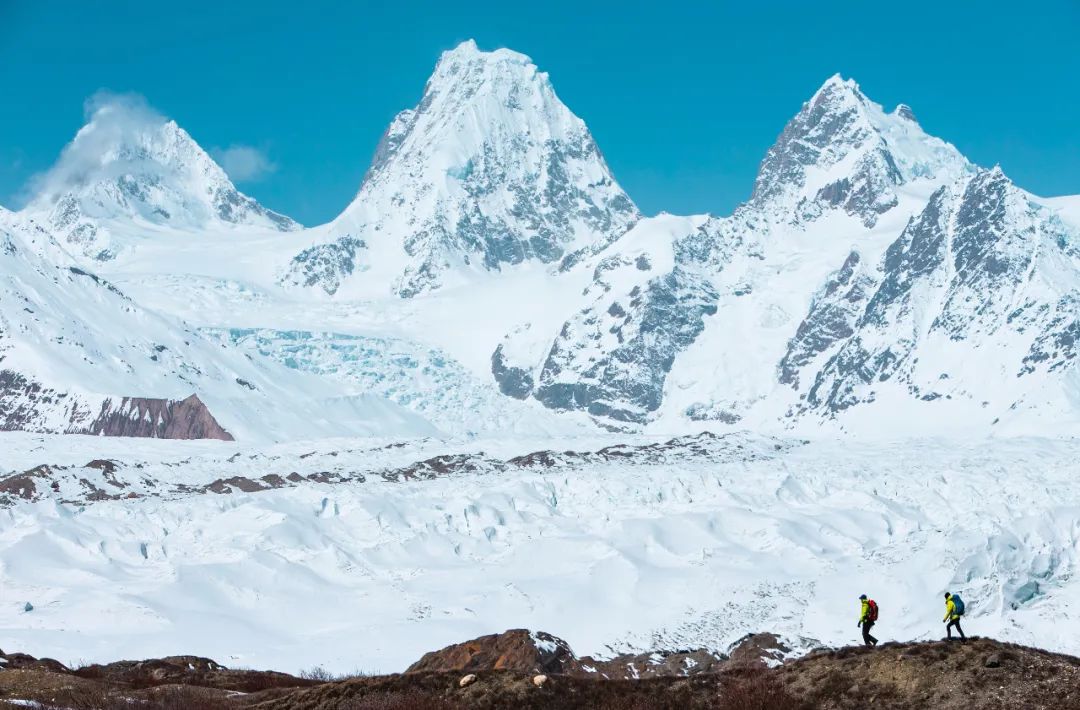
(683, 98)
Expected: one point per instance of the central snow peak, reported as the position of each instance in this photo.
(131, 166)
(844, 151)
(489, 170)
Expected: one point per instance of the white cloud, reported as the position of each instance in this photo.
(243, 163)
(112, 119)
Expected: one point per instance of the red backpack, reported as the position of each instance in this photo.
(872, 613)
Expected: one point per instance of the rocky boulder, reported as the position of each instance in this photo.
(516, 650)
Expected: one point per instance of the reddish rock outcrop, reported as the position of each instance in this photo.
(157, 418)
(759, 650)
(28, 405)
(514, 650)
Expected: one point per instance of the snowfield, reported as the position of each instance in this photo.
(693, 544)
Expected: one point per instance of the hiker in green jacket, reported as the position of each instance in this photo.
(867, 618)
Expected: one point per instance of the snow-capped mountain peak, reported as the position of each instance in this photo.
(489, 170)
(130, 164)
(844, 151)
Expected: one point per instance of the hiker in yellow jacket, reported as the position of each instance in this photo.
(953, 611)
(867, 619)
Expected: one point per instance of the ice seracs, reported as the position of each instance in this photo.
(489, 171)
(130, 168)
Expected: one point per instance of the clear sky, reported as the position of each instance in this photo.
(683, 98)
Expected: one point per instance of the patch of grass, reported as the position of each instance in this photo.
(402, 700)
(764, 690)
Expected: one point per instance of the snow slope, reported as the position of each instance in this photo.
(73, 346)
(689, 544)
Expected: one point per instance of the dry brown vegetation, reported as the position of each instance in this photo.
(977, 675)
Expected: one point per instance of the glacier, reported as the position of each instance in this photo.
(690, 544)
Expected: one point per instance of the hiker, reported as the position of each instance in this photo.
(867, 618)
(954, 609)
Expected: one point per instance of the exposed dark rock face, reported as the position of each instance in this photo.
(156, 418)
(513, 381)
(612, 358)
(27, 405)
(1055, 348)
(832, 317)
(234, 207)
(831, 126)
(966, 270)
(629, 351)
(25, 486)
(325, 265)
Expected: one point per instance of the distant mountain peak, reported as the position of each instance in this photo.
(468, 51)
(843, 151)
(488, 171)
(130, 163)
(837, 85)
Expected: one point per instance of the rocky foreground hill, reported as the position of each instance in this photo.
(519, 669)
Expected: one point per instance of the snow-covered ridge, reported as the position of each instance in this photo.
(975, 305)
(745, 320)
(77, 354)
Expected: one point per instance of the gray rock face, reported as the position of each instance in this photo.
(516, 382)
(626, 383)
(831, 126)
(1055, 347)
(234, 207)
(977, 268)
(612, 358)
(832, 318)
(324, 265)
(863, 153)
